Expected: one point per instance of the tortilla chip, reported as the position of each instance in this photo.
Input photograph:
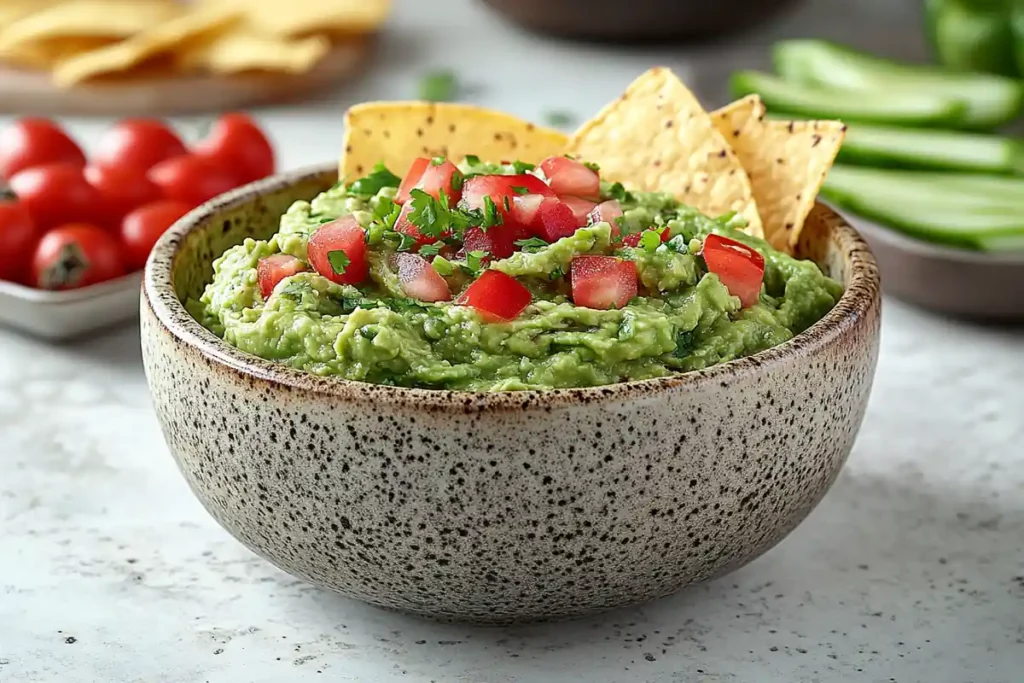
(238, 51)
(396, 133)
(45, 54)
(657, 137)
(162, 38)
(787, 162)
(112, 19)
(290, 18)
(12, 10)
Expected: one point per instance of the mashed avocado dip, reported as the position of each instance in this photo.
(498, 277)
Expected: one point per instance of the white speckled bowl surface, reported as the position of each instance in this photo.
(506, 506)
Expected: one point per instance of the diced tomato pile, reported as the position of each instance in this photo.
(70, 220)
(500, 214)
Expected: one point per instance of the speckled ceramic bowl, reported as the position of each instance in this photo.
(506, 506)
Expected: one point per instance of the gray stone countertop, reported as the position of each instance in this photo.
(911, 569)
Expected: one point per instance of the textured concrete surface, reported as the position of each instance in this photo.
(911, 570)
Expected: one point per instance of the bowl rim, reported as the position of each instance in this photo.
(853, 309)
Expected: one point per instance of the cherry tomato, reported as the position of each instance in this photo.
(17, 238)
(740, 268)
(337, 250)
(76, 255)
(141, 228)
(122, 189)
(57, 193)
(192, 179)
(36, 142)
(236, 143)
(602, 282)
(272, 269)
(497, 297)
(419, 279)
(138, 144)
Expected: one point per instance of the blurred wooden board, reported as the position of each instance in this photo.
(31, 92)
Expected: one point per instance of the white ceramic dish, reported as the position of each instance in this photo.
(59, 316)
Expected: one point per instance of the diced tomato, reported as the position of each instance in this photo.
(419, 279)
(633, 239)
(498, 241)
(602, 281)
(438, 177)
(272, 269)
(608, 212)
(411, 179)
(569, 177)
(554, 220)
(407, 227)
(497, 297)
(525, 208)
(501, 187)
(581, 208)
(740, 268)
(344, 235)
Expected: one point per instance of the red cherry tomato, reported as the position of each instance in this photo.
(337, 250)
(272, 269)
(57, 193)
(76, 255)
(567, 176)
(739, 267)
(141, 228)
(497, 297)
(419, 279)
(602, 281)
(238, 145)
(122, 189)
(192, 179)
(36, 142)
(18, 236)
(138, 144)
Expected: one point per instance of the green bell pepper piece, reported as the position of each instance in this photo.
(973, 35)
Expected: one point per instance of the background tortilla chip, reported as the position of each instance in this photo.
(787, 162)
(237, 51)
(289, 18)
(46, 53)
(12, 10)
(396, 133)
(162, 38)
(115, 19)
(657, 137)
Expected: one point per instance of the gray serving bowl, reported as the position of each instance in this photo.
(502, 507)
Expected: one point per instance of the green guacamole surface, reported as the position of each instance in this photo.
(683, 318)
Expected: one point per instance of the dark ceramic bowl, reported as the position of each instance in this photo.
(637, 20)
(956, 282)
(499, 507)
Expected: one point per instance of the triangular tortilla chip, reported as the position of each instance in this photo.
(289, 18)
(237, 51)
(787, 162)
(657, 137)
(396, 133)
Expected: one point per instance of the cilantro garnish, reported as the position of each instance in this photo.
(519, 189)
(556, 273)
(592, 166)
(386, 212)
(559, 118)
(457, 180)
(522, 167)
(472, 160)
(491, 216)
(532, 244)
(650, 240)
(431, 249)
(474, 261)
(617, 191)
(439, 86)
(677, 244)
(371, 184)
(339, 261)
(405, 242)
(443, 266)
(437, 161)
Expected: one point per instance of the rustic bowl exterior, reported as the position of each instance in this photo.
(502, 507)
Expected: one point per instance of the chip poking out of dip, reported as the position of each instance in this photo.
(442, 269)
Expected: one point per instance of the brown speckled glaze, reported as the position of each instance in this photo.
(507, 506)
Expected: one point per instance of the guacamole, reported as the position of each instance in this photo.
(490, 277)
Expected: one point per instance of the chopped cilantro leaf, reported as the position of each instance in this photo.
(491, 217)
(531, 245)
(457, 180)
(592, 166)
(372, 183)
(426, 213)
(677, 244)
(559, 118)
(474, 261)
(650, 240)
(522, 167)
(386, 212)
(437, 161)
(439, 86)
(472, 160)
(519, 189)
(339, 261)
(556, 273)
(431, 249)
(508, 206)
(405, 242)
